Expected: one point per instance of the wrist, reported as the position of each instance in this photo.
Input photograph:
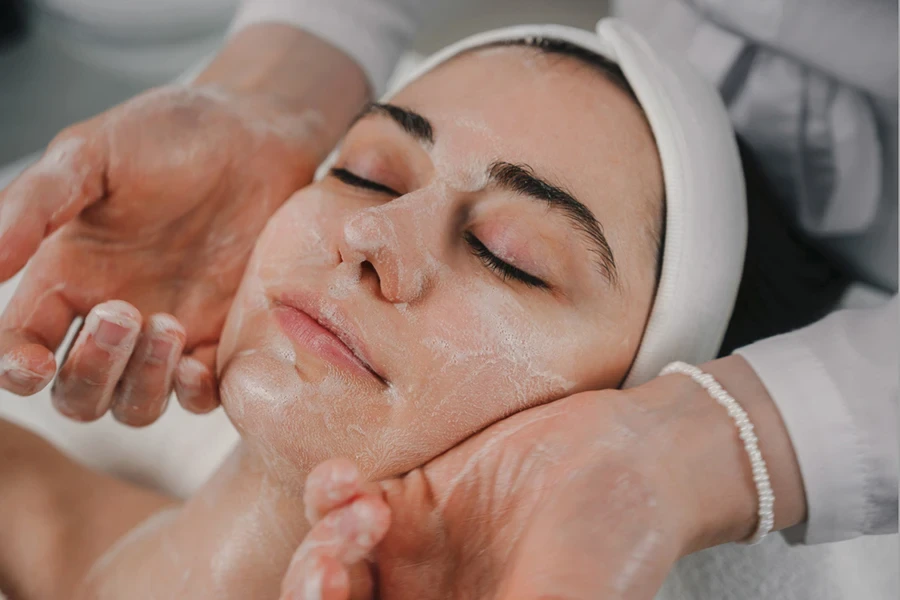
(293, 72)
(711, 476)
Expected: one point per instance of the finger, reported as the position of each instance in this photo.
(33, 325)
(84, 387)
(195, 384)
(48, 194)
(329, 486)
(347, 534)
(27, 368)
(143, 391)
(350, 532)
(318, 578)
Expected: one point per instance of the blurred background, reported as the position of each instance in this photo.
(64, 60)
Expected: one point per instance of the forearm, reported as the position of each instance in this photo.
(712, 473)
(823, 402)
(374, 33)
(738, 520)
(57, 517)
(296, 72)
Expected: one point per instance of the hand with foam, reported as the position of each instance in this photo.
(157, 203)
(567, 500)
(592, 496)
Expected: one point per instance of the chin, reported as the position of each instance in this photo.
(257, 388)
(296, 417)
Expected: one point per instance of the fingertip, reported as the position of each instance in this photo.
(329, 485)
(27, 369)
(374, 518)
(117, 311)
(335, 581)
(164, 324)
(318, 577)
(195, 386)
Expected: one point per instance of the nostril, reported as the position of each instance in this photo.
(366, 267)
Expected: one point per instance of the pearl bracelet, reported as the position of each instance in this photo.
(751, 443)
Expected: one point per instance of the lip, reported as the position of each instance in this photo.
(304, 322)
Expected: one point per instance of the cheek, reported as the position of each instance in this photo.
(296, 237)
(478, 355)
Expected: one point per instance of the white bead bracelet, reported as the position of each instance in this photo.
(751, 443)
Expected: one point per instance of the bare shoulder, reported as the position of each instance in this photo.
(57, 517)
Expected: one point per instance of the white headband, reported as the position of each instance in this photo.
(706, 218)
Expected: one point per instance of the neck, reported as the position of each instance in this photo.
(242, 527)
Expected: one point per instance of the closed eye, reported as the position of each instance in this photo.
(355, 180)
(500, 266)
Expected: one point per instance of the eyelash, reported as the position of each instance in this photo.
(345, 176)
(499, 266)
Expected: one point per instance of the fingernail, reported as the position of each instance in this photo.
(111, 334)
(191, 383)
(111, 325)
(23, 378)
(160, 351)
(163, 329)
(12, 366)
(27, 380)
(190, 372)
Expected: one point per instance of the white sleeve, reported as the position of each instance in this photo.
(836, 385)
(374, 33)
(853, 41)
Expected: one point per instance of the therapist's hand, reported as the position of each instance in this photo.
(592, 496)
(157, 203)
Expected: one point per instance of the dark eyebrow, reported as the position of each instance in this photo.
(412, 122)
(522, 179)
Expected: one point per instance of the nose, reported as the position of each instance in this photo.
(389, 243)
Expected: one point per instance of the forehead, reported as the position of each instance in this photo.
(558, 115)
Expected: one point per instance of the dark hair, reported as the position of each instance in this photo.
(786, 283)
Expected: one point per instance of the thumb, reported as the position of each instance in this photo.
(51, 192)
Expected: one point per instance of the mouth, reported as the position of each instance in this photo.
(306, 324)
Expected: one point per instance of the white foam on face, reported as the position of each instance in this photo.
(345, 281)
(481, 352)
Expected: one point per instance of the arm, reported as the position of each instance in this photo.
(835, 386)
(57, 517)
(599, 494)
(294, 70)
(865, 56)
(594, 495)
(374, 33)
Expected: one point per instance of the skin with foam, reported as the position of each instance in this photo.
(456, 345)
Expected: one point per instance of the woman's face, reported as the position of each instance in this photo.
(487, 247)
